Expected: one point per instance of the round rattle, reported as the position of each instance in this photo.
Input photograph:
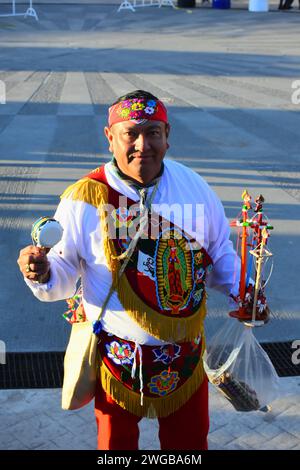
(46, 232)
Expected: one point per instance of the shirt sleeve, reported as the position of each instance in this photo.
(64, 258)
(225, 274)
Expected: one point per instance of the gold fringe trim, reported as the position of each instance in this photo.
(87, 190)
(156, 324)
(160, 326)
(152, 407)
(95, 193)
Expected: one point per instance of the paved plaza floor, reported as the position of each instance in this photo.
(33, 419)
(230, 80)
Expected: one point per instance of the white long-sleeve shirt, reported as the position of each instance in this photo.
(80, 252)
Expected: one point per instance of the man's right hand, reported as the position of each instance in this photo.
(34, 264)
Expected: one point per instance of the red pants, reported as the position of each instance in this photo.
(186, 429)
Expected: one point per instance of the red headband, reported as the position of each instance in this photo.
(137, 110)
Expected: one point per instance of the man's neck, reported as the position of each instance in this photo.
(135, 183)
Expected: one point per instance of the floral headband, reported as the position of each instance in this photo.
(137, 110)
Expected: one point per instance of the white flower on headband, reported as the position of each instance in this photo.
(149, 110)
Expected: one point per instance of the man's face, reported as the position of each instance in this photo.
(138, 148)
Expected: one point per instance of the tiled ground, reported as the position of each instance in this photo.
(32, 419)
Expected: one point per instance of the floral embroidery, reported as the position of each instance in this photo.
(197, 296)
(149, 110)
(167, 353)
(124, 113)
(120, 353)
(202, 266)
(195, 343)
(151, 103)
(122, 217)
(136, 115)
(209, 268)
(75, 312)
(163, 383)
(199, 275)
(137, 108)
(198, 257)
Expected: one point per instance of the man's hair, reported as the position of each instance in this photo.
(136, 94)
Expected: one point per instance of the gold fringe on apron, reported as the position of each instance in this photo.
(158, 325)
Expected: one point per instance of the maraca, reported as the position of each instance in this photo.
(46, 232)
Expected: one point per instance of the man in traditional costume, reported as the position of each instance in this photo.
(142, 209)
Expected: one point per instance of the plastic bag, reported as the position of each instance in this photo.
(239, 368)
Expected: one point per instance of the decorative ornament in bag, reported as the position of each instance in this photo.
(240, 369)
